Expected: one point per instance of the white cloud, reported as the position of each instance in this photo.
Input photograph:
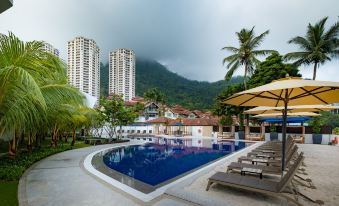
(187, 34)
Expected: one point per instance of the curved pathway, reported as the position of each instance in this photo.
(61, 180)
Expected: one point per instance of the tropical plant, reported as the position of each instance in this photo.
(32, 83)
(317, 47)
(246, 54)
(155, 95)
(272, 68)
(111, 108)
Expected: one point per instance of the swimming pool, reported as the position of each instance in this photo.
(149, 166)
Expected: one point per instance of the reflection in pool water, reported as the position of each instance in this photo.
(163, 159)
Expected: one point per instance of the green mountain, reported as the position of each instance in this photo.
(178, 90)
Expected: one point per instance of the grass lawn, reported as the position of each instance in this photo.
(12, 169)
(8, 193)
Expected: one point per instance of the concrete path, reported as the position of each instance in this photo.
(61, 180)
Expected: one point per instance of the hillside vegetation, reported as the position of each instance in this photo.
(178, 90)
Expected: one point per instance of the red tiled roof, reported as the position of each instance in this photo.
(197, 122)
(161, 120)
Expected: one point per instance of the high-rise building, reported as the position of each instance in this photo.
(83, 69)
(49, 48)
(122, 73)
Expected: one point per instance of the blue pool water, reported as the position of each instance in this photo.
(156, 163)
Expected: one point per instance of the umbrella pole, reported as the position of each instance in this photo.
(284, 131)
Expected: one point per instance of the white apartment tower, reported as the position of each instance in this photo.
(122, 73)
(84, 66)
(49, 48)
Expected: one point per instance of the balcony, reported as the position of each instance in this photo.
(5, 4)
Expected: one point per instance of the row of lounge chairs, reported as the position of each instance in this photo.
(265, 163)
(135, 131)
(259, 137)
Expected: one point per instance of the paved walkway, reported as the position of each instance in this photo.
(61, 180)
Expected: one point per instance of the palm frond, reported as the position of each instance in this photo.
(301, 42)
(231, 49)
(231, 70)
(258, 39)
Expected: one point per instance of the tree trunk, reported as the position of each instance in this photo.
(315, 70)
(120, 133)
(30, 142)
(245, 86)
(53, 141)
(13, 146)
(38, 140)
(66, 137)
(73, 137)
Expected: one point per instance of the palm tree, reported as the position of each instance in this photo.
(32, 83)
(246, 54)
(318, 46)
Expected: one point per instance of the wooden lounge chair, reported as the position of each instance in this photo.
(267, 160)
(282, 188)
(299, 139)
(274, 144)
(273, 152)
(255, 137)
(272, 169)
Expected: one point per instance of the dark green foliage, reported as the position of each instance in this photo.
(316, 123)
(154, 94)
(8, 193)
(177, 89)
(326, 118)
(104, 74)
(12, 169)
(271, 69)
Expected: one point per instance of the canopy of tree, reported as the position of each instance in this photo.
(271, 69)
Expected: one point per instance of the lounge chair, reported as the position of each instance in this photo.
(255, 137)
(299, 139)
(272, 169)
(268, 160)
(280, 188)
(272, 152)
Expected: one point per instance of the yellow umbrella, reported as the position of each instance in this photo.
(291, 109)
(288, 92)
(291, 114)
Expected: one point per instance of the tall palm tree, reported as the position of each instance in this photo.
(246, 54)
(32, 83)
(317, 47)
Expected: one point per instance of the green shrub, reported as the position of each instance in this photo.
(273, 128)
(12, 169)
(336, 130)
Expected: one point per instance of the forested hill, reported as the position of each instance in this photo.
(178, 90)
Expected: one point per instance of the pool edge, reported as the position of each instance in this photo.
(87, 164)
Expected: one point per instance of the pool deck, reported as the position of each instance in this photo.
(62, 180)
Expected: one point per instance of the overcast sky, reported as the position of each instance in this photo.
(185, 35)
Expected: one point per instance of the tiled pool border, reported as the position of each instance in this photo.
(159, 191)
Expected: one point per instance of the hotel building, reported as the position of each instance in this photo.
(49, 48)
(83, 69)
(122, 73)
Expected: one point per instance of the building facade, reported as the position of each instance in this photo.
(83, 69)
(50, 49)
(122, 73)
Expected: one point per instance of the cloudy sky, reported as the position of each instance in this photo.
(185, 35)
